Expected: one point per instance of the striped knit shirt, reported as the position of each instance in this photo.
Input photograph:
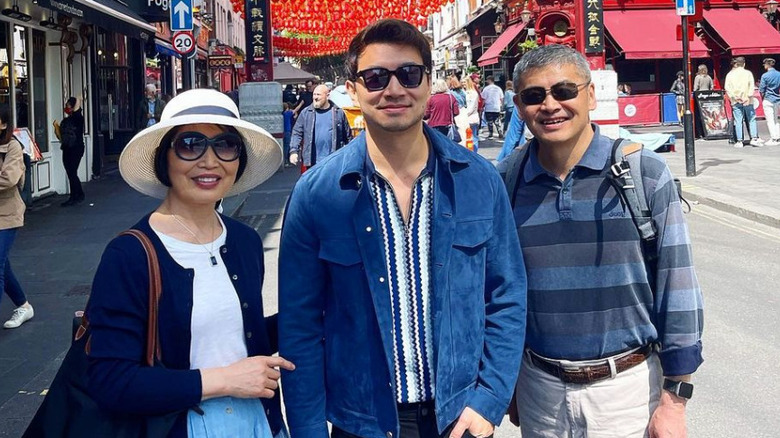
(589, 290)
(407, 251)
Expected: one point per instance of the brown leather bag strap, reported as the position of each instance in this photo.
(153, 350)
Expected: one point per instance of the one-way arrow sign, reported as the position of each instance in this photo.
(181, 15)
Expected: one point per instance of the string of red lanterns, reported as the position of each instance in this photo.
(336, 22)
(331, 24)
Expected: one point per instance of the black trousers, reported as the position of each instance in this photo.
(71, 158)
(443, 129)
(491, 118)
(417, 420)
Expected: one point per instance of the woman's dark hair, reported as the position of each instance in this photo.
(71, 102)
(5, 116)
(387, 31)
(161, 156)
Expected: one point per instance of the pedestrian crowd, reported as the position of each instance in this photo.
(423, 292)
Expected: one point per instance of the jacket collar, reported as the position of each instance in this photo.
(451, 155)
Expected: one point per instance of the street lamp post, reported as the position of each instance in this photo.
(690, 155)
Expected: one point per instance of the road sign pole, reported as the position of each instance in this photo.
(186, 73)
(690, 155)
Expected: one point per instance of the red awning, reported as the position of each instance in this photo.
(745, 31)
(649, 34)
(493, 53)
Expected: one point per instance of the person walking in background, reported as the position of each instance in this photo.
(769, 87)
(678, 88)
(11, 216)
(472, 110)
(321, 129)
(702, 81)
(150, 108)
(289, 120)
(740, 85)
(442, 108)
(494, 97)
(456, 89)
(218, 372)
(72, 146)
(305, 98)
(509, 104)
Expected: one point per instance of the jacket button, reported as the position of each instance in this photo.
(235, 277)
(224, 250)
(245, 305)
(389, 434)
(368, 229)
(229, 410)
(381, 279)
(249, 335)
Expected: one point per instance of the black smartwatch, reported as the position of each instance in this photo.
(680, 389)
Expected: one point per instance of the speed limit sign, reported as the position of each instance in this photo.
(183, 42)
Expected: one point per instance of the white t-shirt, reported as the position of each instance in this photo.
(217, 325)
(492, 95)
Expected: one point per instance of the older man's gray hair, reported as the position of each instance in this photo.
(151, 88)
(555, 55)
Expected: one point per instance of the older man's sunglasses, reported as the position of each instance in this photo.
(376, 79)
(561, 91)
(190, 146)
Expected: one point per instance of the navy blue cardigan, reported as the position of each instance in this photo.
(117, 310)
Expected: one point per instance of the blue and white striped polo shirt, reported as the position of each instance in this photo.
(407, 250)
(589, 291)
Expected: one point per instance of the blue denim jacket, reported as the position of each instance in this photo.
(335, 320)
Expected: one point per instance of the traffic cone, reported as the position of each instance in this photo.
(469, 140)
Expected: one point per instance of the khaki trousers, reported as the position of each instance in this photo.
(619, 407)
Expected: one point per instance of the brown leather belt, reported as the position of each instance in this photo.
(592, 373)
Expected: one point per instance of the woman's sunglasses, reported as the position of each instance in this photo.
(376, 79)
(190, 146)
(561, 91)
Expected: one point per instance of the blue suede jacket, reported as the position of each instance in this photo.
(335, 317)
(118, 309)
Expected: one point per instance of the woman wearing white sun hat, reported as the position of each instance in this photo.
(216, 345)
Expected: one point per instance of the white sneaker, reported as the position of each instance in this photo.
(772, 142)
(756, 142)
(739, 144)
(21, 315)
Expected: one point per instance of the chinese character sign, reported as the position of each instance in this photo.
(258, 40)
(594, 26)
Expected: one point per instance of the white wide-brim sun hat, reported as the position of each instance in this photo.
(264, 155)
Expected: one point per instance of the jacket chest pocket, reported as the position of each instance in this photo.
(467, 262)
(343, 260)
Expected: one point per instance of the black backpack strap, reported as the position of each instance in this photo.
(625, 173)
(510, 169)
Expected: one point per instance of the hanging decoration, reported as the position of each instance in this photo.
(329, 25)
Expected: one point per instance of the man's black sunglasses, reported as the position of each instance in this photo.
(561, 91)
(409, 76)
(190, 146)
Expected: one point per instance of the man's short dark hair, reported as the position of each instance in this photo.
(456, 75)
(739, 60)
(490, 78)
(387, 31)
(769, 61)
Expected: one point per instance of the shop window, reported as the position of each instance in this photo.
(5, 70)
(21, 77)
(41, 129)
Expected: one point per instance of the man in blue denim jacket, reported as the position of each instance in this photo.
(402, 284)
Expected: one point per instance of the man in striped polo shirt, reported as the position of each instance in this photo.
(402, 286)
(609, 338)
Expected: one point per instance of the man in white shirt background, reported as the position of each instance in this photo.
(494, 98)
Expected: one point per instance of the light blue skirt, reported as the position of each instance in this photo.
(229, 417)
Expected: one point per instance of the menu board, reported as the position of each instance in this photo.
(712, 109)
